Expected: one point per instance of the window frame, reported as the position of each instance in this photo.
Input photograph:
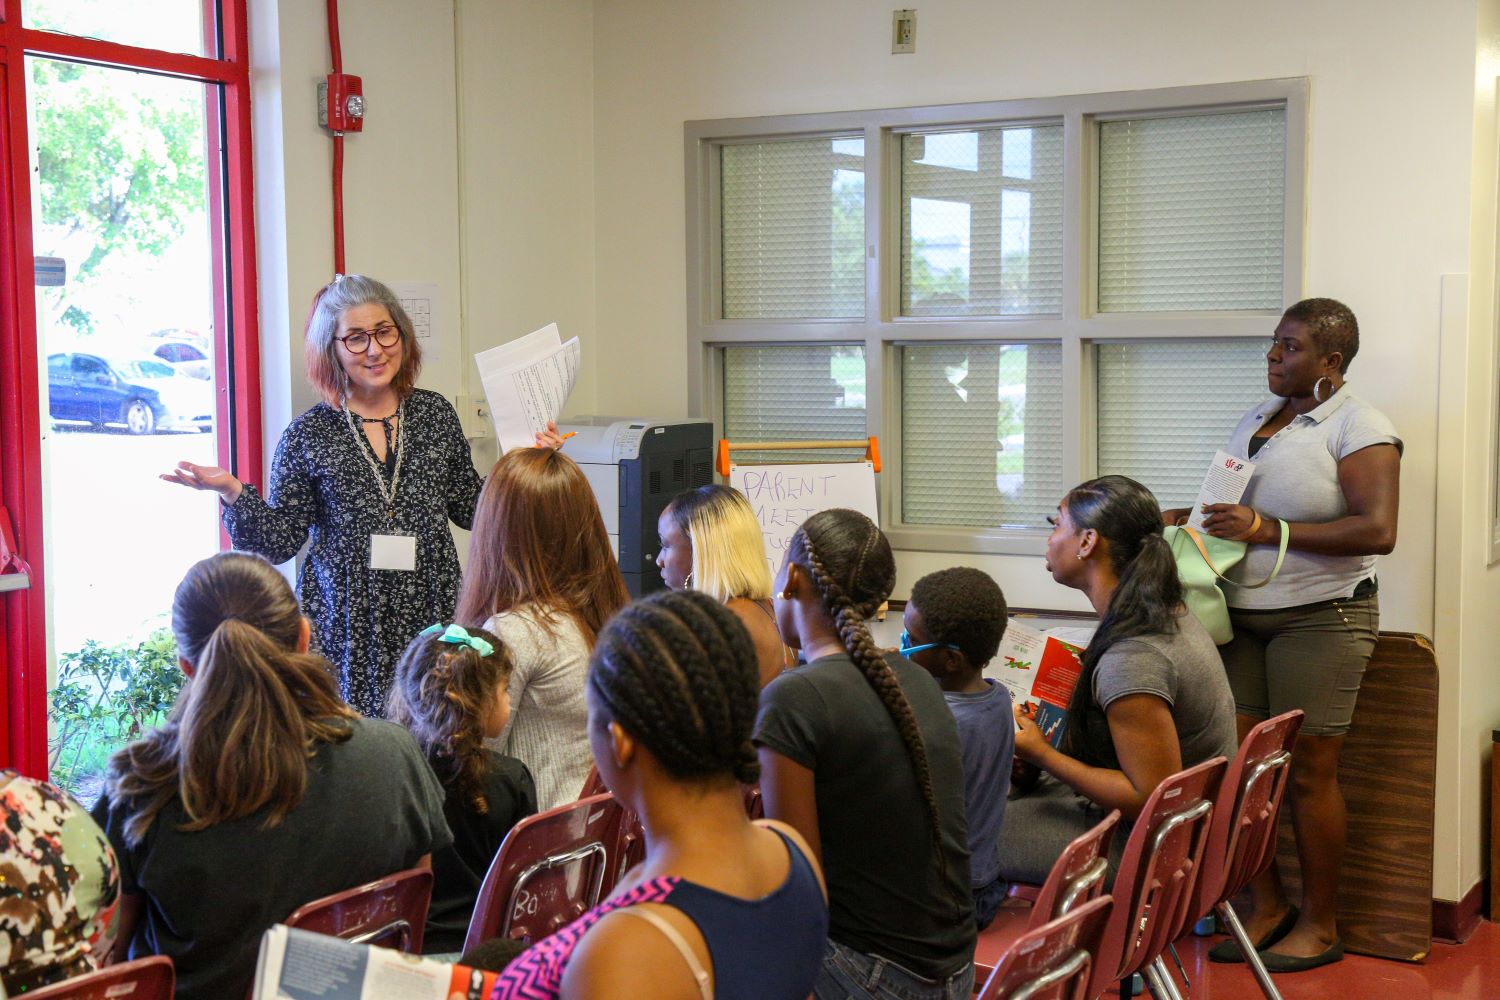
(23, 653)
(884, 331)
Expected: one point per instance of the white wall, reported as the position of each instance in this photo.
(527, 157)
(1389, 176)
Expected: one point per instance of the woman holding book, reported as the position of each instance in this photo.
(1151, 698)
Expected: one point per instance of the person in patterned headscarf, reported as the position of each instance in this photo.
(59, 886)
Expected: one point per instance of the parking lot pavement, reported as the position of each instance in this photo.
(118, 538)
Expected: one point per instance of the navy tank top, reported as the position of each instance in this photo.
(760, 949)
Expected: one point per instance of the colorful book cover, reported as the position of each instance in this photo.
(1040, 671)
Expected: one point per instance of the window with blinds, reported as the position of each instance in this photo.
(795, 393)
(1019, 338)
(793, 229)
(1191, 212)
(1164, 408)
(981, 221)
(981, 433)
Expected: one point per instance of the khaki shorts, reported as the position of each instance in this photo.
(1310, 657)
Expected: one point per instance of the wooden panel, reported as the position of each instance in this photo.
(1387, 772)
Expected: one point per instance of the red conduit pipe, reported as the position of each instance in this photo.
(336, 54)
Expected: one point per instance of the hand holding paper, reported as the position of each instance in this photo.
(1225, 483)
(527, 383)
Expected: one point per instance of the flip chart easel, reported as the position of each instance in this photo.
(784, 495)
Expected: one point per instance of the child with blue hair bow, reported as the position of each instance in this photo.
(452, 691)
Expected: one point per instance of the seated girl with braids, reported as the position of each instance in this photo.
(721, 907)
(1152, 697)
(452, 691)
(262, 791)
(711, 541)
(860, 753)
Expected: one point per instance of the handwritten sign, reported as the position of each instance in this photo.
(784, 496)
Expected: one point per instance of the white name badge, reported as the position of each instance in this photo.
(393, 552)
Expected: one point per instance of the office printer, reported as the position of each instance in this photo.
(636, 465)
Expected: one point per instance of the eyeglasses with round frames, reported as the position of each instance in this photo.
(357, 341)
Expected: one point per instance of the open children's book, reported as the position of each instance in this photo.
(1040, 669)
(301, 965)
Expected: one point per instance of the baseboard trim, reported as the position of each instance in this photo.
(1454, 922)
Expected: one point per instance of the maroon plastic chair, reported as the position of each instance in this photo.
(388, 913)
(1242, 838)
(1053, 960)
(144, 979)
(551, 868)
(1159, 871)
(1077, 877)
(593, 784)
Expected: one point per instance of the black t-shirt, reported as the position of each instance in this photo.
(888, 895)
(458, 870)
(372, 807)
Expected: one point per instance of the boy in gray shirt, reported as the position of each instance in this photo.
(954, 622)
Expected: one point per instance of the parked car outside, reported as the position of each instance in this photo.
(144, 394)
(184, 356)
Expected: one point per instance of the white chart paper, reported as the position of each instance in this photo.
(527, 382)
(1225, 483)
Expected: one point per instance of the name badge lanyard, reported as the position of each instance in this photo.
(388, 495)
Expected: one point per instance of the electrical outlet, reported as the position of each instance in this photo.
(903, 31)
(474, 414)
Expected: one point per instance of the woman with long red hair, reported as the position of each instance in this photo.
(543, 578)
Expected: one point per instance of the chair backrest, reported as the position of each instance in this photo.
(143, 979)
(1053, 960)
(1078, 875)
(551, 868)
(389, 912)
(593, 784)
(1163, 858)
(1242, 837)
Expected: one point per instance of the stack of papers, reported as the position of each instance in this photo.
(527, 382)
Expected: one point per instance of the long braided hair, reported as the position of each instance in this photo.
(441, 693)
(849, 561)
(678, 672)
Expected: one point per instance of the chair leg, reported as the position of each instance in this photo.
(1160, 981)
(1231, 920)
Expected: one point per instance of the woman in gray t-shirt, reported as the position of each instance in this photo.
(1328, 464)
(1151, 699)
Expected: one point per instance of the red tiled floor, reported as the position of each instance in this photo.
(1451, 972)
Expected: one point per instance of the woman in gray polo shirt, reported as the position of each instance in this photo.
(1328, 464)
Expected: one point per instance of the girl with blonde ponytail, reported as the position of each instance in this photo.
(452, 691)
(262, 791)
(1152, 697)
(860, 754)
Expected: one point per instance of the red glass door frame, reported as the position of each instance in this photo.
(23, 650)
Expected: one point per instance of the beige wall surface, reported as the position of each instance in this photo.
(527, 158)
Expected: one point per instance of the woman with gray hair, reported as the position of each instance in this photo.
(372, 475)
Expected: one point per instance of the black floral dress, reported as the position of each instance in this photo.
(323, 488)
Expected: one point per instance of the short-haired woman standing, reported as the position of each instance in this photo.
(373, 475)
(1328, 464)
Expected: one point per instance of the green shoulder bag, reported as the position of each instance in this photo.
(1201, 563)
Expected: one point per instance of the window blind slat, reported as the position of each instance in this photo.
(1191, 212)
(794, 393)
(793, 229)
(981, 428)
(1165, 408)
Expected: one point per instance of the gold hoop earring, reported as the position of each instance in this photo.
(1331, 389)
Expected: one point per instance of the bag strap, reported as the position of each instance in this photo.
(1280, 557)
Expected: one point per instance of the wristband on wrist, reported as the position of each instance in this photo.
(1250, 531)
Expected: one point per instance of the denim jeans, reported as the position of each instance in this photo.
(851, 975)
(987, 901)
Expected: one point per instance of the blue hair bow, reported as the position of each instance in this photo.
(459, 636)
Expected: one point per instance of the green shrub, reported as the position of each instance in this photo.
(105, 697)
